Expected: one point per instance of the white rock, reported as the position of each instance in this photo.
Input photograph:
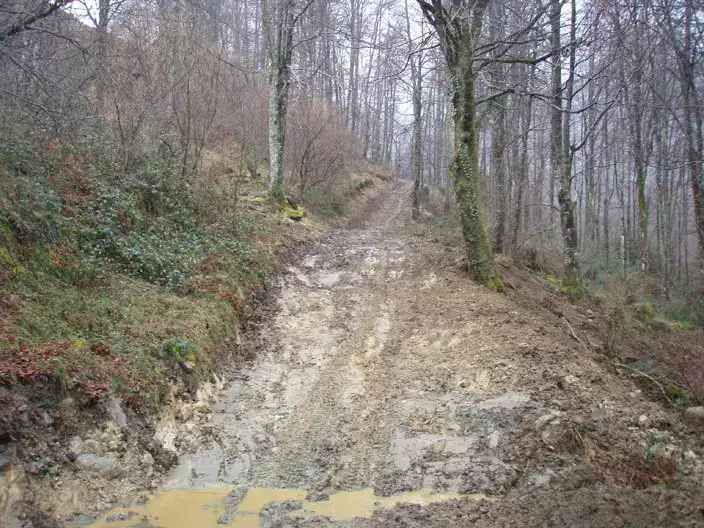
(104, 466)
(117, 415)
(84, 447)
(642, 420)
(544, 420)
(166, 436)
(690, 456)
(695, 415)
(148, 463)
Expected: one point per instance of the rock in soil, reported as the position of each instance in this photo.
(104, 466)
(695, 415)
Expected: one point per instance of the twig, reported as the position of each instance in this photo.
(643, 374)
(554, 226)
(569, 327)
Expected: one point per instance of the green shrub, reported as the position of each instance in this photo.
(180, 350)
(327, 203)
(28, 205)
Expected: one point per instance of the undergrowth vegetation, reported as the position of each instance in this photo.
(130, 280)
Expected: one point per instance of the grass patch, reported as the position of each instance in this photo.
(124, 282)
(325, 202)
(116, 337)
(445, 230)
(624, 468)
(570, 286)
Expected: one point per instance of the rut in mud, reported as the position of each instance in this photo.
(361, 385)
(384, 371)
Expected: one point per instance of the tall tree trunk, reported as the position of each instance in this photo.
(498, 167)
(465, 173)
(356, 9)
(458, 30)
(561, 155)
(693, 130)
(102, 31)
(415, 59)
(416, 155)
(278, 21)
(522, 170)
(277, 134)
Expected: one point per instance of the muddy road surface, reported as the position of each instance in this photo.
(391, 390)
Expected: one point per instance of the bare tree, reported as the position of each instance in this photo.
(459, 28)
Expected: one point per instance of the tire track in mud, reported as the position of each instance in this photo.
(330, 404)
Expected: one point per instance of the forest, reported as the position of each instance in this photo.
(163, 162)
(587, 117)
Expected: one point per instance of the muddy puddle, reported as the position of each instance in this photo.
(206, 508)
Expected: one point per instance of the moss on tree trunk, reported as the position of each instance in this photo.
(465, 174)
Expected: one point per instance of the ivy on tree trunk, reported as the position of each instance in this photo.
(458, 28)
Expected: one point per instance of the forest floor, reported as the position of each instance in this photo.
(388, 389)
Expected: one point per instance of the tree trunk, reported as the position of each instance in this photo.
(278, 21)
(416, 148)
(465, 173)
(102, 31)
(693, 130)
(415, 59)
(522, 171)
(560, 140)
(277, 116)
(498, 166)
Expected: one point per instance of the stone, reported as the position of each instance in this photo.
(67, 403)
(4, 461)
(147, 463)
(695, 415)
(92, 447)
(493, 439)
(121, 516)
(47, 419)
(544, 420)
(75, 445)
(292, 202)
(105, 467)
(35, 467)
(84, 447)
(541, 479)
(185, 412)
(598, 413)
(115, 445)
(690, 456)
(116, 414)
(642, 420)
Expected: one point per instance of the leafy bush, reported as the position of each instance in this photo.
(28, 205)
(158, 251)
(324, 202)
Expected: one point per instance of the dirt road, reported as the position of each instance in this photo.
(387, 380)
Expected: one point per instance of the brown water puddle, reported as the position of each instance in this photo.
(202, 508)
